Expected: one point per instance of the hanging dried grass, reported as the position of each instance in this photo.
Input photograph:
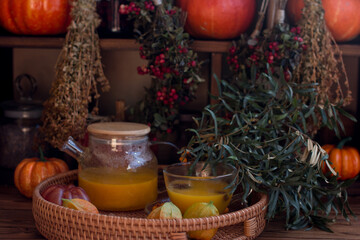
(79, 74)
(322, 63)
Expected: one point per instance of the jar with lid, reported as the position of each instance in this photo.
(19, 126)
(117, 170)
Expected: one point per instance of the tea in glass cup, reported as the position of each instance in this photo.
(187, 184)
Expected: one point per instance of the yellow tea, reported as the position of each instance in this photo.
(118, 190)
(184, 193)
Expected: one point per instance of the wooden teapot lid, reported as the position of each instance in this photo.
(119, 128)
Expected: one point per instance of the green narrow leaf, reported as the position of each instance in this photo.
(229, 87)
(303, 121)
(323, 116)
(227, 106)
(280, 117)
(218, 84)
(273, 200)
(253, 72)
(346, 114)
(287, 205)
(310, 112)
(215, 122)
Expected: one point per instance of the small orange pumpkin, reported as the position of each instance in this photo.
(31, 171)
(345, 160)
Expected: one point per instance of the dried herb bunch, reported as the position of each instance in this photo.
(173, 66)
(79, 75)
(259, 124)
(322, 65)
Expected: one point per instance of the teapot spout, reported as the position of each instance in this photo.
(73, 148)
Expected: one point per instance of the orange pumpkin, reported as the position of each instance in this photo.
(35, 17)
(342, 17)
(217, 19)
(31, 171)
(344, 160)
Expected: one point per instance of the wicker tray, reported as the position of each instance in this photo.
(57, 222)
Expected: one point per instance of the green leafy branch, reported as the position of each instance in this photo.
(259, 126)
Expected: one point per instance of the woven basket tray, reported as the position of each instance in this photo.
(57, 222)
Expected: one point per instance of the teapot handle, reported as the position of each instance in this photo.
(165, 143)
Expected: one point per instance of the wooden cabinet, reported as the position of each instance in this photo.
(215, 50)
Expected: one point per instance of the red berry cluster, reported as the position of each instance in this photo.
(159, 72)
(192, 63)
(171, 12)
(296, 30)
(142, 53)
(149, 5)
(270, 51)
(182, 49)
(160, 59)
(168, 97)
(186, 81)
(184, 100)
(142, 70)
(131, 8)
(287, 74)
(273, 52)
(233, 58)
(158, 68)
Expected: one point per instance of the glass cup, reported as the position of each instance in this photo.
(187, 184)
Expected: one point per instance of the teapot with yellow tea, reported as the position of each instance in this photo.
(117, 170)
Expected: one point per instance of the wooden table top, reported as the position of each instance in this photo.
(17, 222)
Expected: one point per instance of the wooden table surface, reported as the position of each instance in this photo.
(17, 222)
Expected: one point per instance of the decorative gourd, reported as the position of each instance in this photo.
(200, 210)
(217, 19)
(166, 211)
(344, 160)
(80, 205)
(35, 17)
(342, 17)
(31, 171)
(55, 193)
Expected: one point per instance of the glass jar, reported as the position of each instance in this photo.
(112, 22)
(19, 126)
(118, 170)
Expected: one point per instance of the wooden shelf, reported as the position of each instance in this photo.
(350, 50)
(130, 44)
(105, 43)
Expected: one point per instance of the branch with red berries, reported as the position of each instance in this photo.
(278, 48)
(173, 66)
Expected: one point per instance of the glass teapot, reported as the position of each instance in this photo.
(117, 170)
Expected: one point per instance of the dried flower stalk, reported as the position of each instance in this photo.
(79, 74)
(322, 63)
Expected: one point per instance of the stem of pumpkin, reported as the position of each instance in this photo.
(42, 158)
(342, 142)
